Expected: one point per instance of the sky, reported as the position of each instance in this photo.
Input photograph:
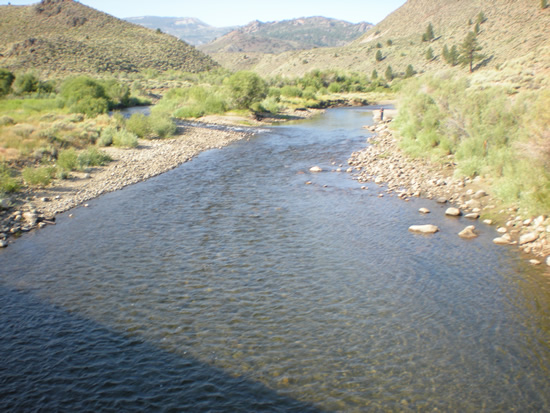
(221, 13)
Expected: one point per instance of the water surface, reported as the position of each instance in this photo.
(240, 281)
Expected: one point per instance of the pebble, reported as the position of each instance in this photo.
(315, 169)
(488, 222)
(453, 212)
(527, 238)
(3, 243)
(468, 232)
(535, 262)
(424, 210)
(473, 215)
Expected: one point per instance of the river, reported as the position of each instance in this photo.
(240, 281)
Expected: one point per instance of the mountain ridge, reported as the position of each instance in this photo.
(65, 36)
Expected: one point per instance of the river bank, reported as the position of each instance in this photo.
(37, 207)
(383, 163)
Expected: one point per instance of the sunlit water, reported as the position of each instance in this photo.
(228, 284)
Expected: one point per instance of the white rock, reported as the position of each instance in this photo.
(502, 230)
(488, 222)
(535, 262)
(530, 237)
(4, 244)
(501, 241)
(424, 210)
(548, 260)
(315, 169)
(468, 232)
(424, 229)
(453, 212)
(480, 194)
(473, 215)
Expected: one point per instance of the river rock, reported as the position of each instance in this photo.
(3, 243)
(526, 238)
(479, 194)
(535, 262)
(488, 222)
(504, 240)
(502, 230)
(468, 232)
(424, 229)
(30, 218)
(441, 200)
(453, 212)
(4, 204)
(424, 210)
(548, 260)
(473, 215)
(315, 169)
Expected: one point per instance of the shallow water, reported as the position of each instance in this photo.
(228, 284)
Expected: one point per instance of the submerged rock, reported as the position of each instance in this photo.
(424, 229)
(424, 210)
(468, 232)
(315, 169)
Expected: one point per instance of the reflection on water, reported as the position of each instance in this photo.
(303, 295)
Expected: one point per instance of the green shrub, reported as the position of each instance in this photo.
(38, 177)
(138, 124)
(335, 87)
(162, 125)
(67, 160)
(271, 104)
(125, 139)
(8, 183)
(246, 88)
(6, 80)
(85, 95)
(106, 136)
(92, 157)
(26, 83)
(291, 91)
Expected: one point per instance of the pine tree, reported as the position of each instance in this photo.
(429, 54)
(446, 54)
(543, 4)
(409, 72)
(453, 56)
(476, 28)
(374, 75)
(469, 51)
(379, 56)
(429, 34)
(481, 18)
(389, 74)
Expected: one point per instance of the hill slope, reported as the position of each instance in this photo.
(281, 36)
(514, 30)
(188, 29)
(60, 36)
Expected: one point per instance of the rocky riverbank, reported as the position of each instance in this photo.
(37, 208)
(383, 163)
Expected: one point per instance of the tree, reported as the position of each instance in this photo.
(543, 4)
(6, 80)
(379, 56)
(445, 53)
(409, 72)
(374, 75)
(452, 57)
(247, 88)
(389, 42)
(469, 51)
(429, 34)
(476, 28)
(26, 83)
(481, 18)
(389, 74)
(429, 54)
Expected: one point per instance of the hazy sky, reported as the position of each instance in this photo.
(240, 12)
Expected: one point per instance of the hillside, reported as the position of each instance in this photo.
(64, 36)
(188, 29)
(280, 36)
(515, 32)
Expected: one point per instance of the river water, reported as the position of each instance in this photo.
(229, 284)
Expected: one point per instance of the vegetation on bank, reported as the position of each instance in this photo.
(490, 131)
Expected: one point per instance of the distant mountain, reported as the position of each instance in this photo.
(60, 36)
(281, 36)
(189, 29)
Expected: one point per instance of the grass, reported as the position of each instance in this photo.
(38, 176)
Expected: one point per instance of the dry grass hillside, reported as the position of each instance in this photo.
(64, 36)
(514, 31)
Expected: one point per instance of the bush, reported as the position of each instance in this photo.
(291, 91)
(247, 88)
(6, 80)
(67, 160)
(38, 177)
(138, 124)
(26, 83)
(335, 88)
(92, 157)
(106, 136)
(85, 95)
(162, 125)
(125, 139)
(7, 182)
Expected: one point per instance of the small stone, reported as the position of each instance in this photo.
(308, 183)
(441, 200)
(468, 232)
(527, 222)
(424, 210)
(488, 222)
(502, 230)
(453, 212)
(45, 199)
(534, 262)
(527, 238)
(4, 244)
(4, 204)
(548, 260)
(315, 169)
(479, 194)
(473, 215)
(501, 241)
(424, 229)
(349, 170)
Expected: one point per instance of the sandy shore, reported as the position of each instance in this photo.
(383, 163)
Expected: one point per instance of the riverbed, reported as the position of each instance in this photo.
(241, 281)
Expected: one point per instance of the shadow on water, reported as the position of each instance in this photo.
(58, 361)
